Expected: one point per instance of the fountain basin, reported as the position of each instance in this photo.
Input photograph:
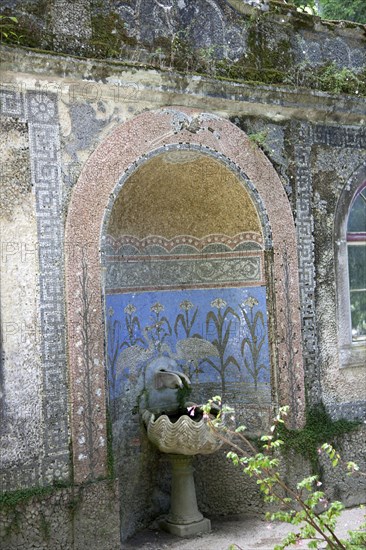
(184, 436)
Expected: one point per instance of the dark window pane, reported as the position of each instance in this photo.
(358, 315)
(357, 266)
(357, 216)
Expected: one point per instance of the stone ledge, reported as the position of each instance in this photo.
(76, 78)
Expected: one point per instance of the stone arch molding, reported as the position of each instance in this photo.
(90, 202)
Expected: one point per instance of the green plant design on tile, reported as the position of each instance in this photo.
(253, 341)
(221, 323)
(185, 320)
(160, 329)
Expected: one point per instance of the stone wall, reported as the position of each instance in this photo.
(270, 43)
(56, 110)
(66, 519)
(21, 375)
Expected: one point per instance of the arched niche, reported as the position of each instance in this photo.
(184, 248)
(183, 252)
(118, 157)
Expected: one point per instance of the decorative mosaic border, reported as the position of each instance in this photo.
(186, 240)
(212, 271)
(45, 150)
(305, 229)
(121, 153)
(40, 111)
(336, 136)
(134, 264)
(355, 410)
(12, 104)
(308, 136)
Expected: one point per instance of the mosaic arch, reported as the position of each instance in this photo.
(167, 136)
(184, 260)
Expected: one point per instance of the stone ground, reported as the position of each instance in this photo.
(247, 533)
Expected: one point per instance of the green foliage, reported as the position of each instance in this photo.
(327, 78)
(182, 55)
(307, 6)
(319, 428)
(350, 10)
(31, 26)
(305, 505)
(259, 138)
(333, 79)
(8, 26)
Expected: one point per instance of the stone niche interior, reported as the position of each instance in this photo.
(184, 261)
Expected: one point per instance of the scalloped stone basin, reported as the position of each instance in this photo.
(185, 436)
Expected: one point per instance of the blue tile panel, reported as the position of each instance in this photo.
(229, 323)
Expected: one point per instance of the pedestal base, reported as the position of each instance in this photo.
(184, 518)
(188, 529)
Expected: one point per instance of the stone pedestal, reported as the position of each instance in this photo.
(184, 519)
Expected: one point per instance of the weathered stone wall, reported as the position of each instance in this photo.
(339, 484)
(21, 379)
(271, 43)
(56, 110)
(66, 519)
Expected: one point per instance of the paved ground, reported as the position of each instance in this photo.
(247, 533)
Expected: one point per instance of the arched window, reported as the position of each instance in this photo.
(350, 270)
(356, 248)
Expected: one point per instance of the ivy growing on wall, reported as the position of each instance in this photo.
(319, 429)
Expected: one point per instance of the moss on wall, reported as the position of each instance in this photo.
(32, 28)
(268, 45)
(109, 36)
(79, 516)
(11, 499)
(319, 429)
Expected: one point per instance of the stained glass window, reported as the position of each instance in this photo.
(356, 245)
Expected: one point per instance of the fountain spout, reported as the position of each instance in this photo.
(170, 379)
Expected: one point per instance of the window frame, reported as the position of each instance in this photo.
(356, 239)
(352, 353)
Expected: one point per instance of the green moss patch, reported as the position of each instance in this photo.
(11, 499)
(109, 36)
(319, 429)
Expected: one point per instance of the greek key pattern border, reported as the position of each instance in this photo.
(352, 411)
(39, 109)
(308, 136)
(45, 153)
(12, 104)
(305, 228)
(335, 136)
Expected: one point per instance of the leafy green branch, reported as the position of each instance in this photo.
(304, 506)
(7, 33)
